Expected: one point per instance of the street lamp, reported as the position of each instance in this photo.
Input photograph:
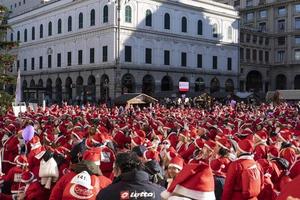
(118, 65)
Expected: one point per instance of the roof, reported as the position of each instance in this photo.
(134, 98)
(285, 94)
(243, 95)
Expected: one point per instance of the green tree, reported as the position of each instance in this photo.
(6, 61)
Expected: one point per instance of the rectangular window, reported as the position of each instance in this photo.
(59, 60)
(260, 56)
(281, 41)
(92, 55)
(266, 56)
(249, 3)
(248, 54)
(297, 23)
(215, 62)
(32, 63)
(281, 11)
(69, 58)
(254, 55)
(166, 57)
(248, 38)
(261, 40)
(41, 62)
(104, 53)
(263, 14)
(199, 60)
(241, 37)
(183, 59)
(241, 53)
(18, 65)
(280, 56)
(281, 25)
(25, 64)
(128, 54)
(148, 56)
(229, 64)
(79, 57)
(254, 39)
(249, 17)
(49, 61)
(262, 27)
(297, 39)
(297, 54)
(297, 8)
(267, 41)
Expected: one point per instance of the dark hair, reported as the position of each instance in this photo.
(128, 161)
(223, 152)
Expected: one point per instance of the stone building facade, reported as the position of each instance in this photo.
(69, 49)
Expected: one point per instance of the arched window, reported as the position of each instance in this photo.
(105, 14)
(167, 21)
(50, 29)
(200, 28)
(11, 37)
(148, 18)
(183, 24)
(80, 21)
(33, 33)
(18, 36)
(128, 14)
(69, 24)
(229, 33)
(215, 30)
(92, 17)
(59, 26)
(41, 31)
(25, 35)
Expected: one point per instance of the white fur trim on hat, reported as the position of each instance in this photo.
(221, 145)
(194, 194)
(35, 146)
(174, 165)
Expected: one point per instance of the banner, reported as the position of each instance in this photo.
(184, 86)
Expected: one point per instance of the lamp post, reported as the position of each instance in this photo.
(118, 65)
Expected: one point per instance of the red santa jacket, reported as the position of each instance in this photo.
(34, 191)
(233, 184)
(10, 151)
(34, 157)
(14, 177)
(62, 189)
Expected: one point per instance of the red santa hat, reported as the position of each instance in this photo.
(35, 142)
(261, 135)
(246, 146)
(199, 143)
(171, 153)
(285, 135)
(92, 155)
(273, 151)
(224, 143)
(151, 155)
(194, 181)
(176, 162)
(137, 141)
(21, 160)
(78, 134)
(27, 177)
(210, 145)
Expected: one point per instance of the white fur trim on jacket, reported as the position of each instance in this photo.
(194, 194)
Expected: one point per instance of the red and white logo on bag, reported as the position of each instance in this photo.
(124, 195)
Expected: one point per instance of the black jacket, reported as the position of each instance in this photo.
(133, 185)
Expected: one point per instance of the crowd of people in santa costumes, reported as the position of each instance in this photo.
(223, 152)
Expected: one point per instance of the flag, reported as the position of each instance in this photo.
(18, 88)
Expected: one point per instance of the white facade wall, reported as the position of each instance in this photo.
(135, 34)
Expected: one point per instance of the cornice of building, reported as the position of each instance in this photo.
(267, 5)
